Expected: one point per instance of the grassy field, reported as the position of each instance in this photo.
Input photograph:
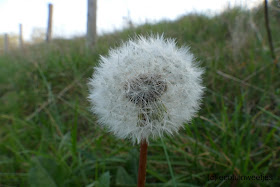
(48, 136)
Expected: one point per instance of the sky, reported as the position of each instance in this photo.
(70, 16)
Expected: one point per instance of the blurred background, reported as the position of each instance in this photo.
(70, 16)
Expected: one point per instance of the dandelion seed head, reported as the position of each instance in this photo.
(146, 88)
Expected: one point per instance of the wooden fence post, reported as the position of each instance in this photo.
(20, 37)
(91, 37)
(49, 29)
(6, 43)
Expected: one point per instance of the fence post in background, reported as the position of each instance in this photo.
(20, 37)
(91, 37)
(6, 43)
(49, 29)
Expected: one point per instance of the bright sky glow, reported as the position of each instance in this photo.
(69, 16)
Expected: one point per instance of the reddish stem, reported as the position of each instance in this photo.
(142, 164)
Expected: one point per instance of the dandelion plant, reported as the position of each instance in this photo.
(144, 89)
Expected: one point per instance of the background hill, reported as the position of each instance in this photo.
(48, 137)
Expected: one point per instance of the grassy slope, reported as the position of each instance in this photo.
(237, 131)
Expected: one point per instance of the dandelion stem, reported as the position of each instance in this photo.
(142, 164)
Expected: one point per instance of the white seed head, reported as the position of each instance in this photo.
(145, 88)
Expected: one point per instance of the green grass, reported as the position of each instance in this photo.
(48, 136)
